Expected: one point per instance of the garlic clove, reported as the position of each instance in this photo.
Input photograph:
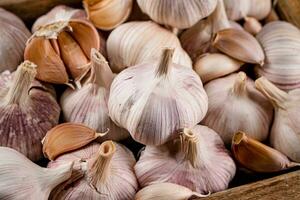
(211, 66)
(39, 181)
(166, 191)
(252, 25)
(240, 45)
(67, 137)
(257, 156)
(107, 14)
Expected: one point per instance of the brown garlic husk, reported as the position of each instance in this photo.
(14, 35)
(88, 104)
(257, 156)
(28, 110)
(240, 45)
(272, 16)
(66, 137)
(107, 173)
(252, 25)
(22, 179)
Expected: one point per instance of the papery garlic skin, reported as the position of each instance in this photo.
(22, 179)
(211, 170)
(14, 35)
(235, 105)
(252, 25)
(118, 182)
(27, 111)
(177, 13)
(152, 101)
(135, 43)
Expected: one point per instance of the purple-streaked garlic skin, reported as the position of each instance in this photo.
(213, 171)
(121, 182)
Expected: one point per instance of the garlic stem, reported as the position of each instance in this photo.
(18, 91)
(239, 87)
(219, 18)
(189, 146)
(165, 62)
(101, 167)
(276, 96)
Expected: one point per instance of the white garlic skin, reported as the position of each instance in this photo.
(214, 171)
(121, 183)
(229, 112)
(153, 108)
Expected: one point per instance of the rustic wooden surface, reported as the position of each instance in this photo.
(29, 10)
(289, 10)
(283, 187)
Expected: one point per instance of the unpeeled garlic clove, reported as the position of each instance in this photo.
(257, 156)
(240, 45)
(67, 137)
(211, 66)
(107, 14)
(22, 179)
(272, 16)
(252, 25)
(166, 191)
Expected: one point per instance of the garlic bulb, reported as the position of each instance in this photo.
(88, 104)
(108, 173)
(237, 9)
(252, 25)
(12, 41)
(240, 45)
(27, 111)
(107, 14)
(22, 179)
(284, 134)
(62, 50)
(198, 161)
(134, 43)
(235, 105)
(177, 13)
(258, 157)
(66, 137)
(211, 66)
(154, 100)
(166, 191)
(281, 43)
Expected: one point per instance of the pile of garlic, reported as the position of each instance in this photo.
(203, 94)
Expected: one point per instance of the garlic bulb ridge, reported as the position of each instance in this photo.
(152, 101)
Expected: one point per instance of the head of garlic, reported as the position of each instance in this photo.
(235, 105)
(107, 173)
(281, 44)
(28, 110)
(152, 101)
(198, 161)
(14, 35)
(88, 104)
(284, 134)
(134, 43)
(22, 179)
(177, 13)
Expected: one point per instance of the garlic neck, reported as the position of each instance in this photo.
(276, 96)
(189, 147)
(100, 169)
(165, 62)
(239, 87)
(18, 91)
(219, 18)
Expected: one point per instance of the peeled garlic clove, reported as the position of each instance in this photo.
(257, 156)
(215, 65)
(252, 25)
(235, 105)
(22, 179)
(154, 100)
(133, 43)
(108, 173)
(88, 104)
(182, 162)
(67, 137)
(166, 191)
(240, 45)
(281, 43)
(284, 134)
(12, 41)
(107, 14)
(27, 111)
(177, 13)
